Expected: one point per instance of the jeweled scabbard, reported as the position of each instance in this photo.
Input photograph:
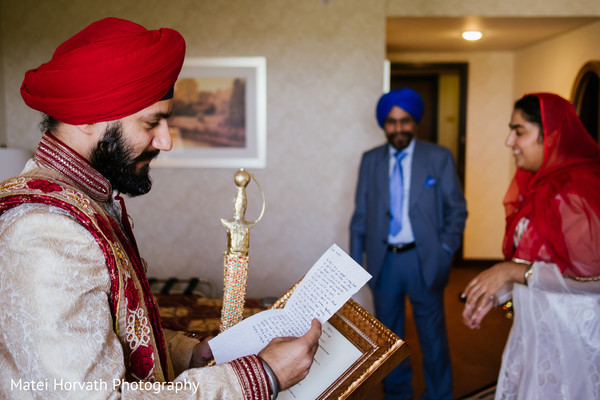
(236, 257)
(234, 295)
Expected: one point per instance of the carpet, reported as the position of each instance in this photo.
(199, 315)
(485, 393)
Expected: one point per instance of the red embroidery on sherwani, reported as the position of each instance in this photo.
(131, 293)
(141, 358)
(151, 307)
(78, 197)
(104, 227)
(44, 186)
(55, 155)
(142, 362)
(252, 378)
(142, 331)
(135, 313)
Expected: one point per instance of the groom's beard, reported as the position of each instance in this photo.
(113, 158)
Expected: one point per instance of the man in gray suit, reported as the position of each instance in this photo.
(409, 217)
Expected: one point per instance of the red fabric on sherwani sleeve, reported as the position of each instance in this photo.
(252, 377)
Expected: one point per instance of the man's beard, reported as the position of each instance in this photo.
(113, 158)
(400, 140)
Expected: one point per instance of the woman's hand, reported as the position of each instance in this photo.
(472, 317)
(480, 293)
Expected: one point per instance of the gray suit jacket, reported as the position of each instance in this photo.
(437, 211)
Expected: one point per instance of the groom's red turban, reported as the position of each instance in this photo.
(109, 70)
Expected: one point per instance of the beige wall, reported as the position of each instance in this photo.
(324, 74)
(520, 8)
(553, 65)
(487, 165)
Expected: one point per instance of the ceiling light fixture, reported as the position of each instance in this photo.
(472, 35)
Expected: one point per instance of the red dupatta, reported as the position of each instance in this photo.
(554, 198)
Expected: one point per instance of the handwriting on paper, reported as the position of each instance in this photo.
(332, 280)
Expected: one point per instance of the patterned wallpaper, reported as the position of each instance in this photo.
(324, 75)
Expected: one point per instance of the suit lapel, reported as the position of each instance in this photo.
(419, 173)
(382, 178)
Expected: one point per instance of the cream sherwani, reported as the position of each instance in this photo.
(57, 336)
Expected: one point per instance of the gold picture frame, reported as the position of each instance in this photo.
(219, 115)
(381, 350)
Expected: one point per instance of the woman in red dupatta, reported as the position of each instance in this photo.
(552, 252)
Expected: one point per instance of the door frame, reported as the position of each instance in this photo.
(429, 69)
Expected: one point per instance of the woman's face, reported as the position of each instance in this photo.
(526, 142)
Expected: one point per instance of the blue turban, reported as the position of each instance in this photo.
(407, 99)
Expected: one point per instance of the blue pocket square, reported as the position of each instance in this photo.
(430, 181)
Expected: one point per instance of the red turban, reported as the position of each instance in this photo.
(109, 70)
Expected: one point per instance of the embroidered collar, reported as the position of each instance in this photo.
(54, 154)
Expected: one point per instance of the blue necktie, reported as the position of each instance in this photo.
(396, 195)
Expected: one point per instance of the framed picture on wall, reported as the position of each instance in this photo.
(219, 114)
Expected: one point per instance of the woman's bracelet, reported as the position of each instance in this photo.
(272, 379)
(528, 269)
(528, 273)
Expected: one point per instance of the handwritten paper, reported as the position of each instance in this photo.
(331, 281)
